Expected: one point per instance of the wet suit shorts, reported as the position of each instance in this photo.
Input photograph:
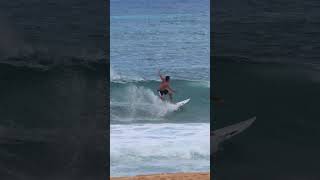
(163, 92)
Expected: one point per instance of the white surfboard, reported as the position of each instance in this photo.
(181, 103)
(223, 134)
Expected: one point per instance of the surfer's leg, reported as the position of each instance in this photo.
(160, 95)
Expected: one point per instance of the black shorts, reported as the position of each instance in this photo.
(163, 92)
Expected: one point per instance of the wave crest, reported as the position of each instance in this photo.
(139, 103)
(120, 78)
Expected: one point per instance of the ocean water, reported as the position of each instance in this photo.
(148, 135)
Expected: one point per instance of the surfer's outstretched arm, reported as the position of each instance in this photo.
(171, 90)
(161, 77)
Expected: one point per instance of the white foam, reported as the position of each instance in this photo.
(120, 78)
(159, 148)
(114, 76)
(140, 103)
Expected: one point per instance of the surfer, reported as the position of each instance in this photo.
(164, 87)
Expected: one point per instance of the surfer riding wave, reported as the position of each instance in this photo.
(164, 87)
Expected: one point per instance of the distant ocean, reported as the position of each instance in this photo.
(148, 136)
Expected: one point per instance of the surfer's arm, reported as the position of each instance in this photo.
(161, 77)
(171, 90)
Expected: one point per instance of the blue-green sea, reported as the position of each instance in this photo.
(147, 135)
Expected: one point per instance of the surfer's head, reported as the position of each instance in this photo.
(167, 78)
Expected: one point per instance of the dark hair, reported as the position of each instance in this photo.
(167, 78)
